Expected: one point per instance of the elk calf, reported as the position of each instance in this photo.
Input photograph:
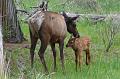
(78, 45)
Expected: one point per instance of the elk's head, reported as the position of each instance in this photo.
(71, 24)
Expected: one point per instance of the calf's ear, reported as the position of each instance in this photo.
(71, 36)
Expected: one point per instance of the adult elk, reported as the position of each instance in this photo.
(50, 28)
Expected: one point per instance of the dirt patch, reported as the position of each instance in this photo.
(12, 46)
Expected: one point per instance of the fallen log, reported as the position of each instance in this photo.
(114, 18)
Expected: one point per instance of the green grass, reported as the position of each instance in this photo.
(103, 65)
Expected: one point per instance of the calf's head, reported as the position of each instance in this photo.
(71, 42)
(71, 24)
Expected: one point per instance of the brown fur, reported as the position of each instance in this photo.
(52, 30)
(79, 45)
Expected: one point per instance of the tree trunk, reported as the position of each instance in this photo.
(1, 53)
(1, 46)
(11, 28)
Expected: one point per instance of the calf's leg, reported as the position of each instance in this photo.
(76, 60)
(80, 58)
(87, 56)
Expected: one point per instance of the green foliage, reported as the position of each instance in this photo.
(110, 6)
(103, 66)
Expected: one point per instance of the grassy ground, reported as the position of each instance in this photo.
(103, 65)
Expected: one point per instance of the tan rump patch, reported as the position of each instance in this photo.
(35, 21)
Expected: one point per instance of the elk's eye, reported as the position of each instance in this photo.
(71, 41)
(74, 25)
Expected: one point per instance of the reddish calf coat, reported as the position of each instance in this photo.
(79, 45)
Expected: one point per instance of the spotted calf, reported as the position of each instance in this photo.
(78, 45)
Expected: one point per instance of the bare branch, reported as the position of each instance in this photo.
(24, 11)
(34, 7)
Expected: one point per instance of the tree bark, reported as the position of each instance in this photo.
(1, 54)
(1, 46)
(11, 27)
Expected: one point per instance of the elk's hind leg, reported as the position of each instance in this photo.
(44, 43)
(32, 49)
(54, 54)
(61, 45)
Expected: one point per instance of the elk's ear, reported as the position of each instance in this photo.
(45, 7)
(64, 14)
(74, 18)
(41, 6)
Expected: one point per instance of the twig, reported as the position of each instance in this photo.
(34, 7)
(24, 11)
